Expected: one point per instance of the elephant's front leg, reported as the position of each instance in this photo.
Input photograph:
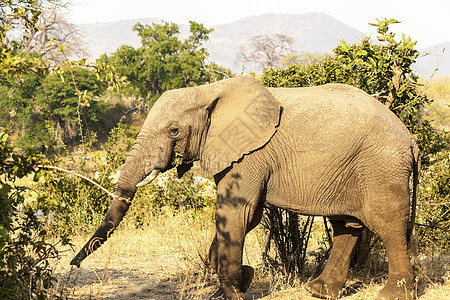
(238, 208)
(213, 250)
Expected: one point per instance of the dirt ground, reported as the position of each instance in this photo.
(146, 268)
(164, 261)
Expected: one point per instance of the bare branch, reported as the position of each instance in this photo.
(268, 51)
(79, 175)
(396, 84)
(53, 30)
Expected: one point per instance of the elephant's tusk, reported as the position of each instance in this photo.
(149, 178)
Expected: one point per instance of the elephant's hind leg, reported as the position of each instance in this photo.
(400, 282)
(390, 225)
(332, 280)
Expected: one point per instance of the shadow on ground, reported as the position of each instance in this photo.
(136, 284)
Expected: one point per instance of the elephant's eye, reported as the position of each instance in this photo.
(174, 131)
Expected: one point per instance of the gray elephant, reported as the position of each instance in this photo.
(331, 151)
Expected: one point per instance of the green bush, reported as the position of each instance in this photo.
(42, 110)
(25, 254)
(73, 205)
(187, 193)
(433, 213)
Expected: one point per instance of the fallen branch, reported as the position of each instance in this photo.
(76, 174)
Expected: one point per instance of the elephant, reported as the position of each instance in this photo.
(330, 150)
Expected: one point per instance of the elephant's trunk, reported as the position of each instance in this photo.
(132, 175)
(115, 214)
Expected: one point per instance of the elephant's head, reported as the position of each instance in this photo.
(215, 124)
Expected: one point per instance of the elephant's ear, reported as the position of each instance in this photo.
(243, 116)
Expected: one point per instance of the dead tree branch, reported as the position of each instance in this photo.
(76, 174)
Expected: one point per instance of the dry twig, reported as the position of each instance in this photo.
(79, 175)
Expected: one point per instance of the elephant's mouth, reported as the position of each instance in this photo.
(150, 177)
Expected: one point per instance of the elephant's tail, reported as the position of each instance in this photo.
(412, 233)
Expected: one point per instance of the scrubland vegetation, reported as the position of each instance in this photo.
(84, 117)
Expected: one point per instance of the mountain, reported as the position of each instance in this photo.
(437, 55)
(313, 32)
(102, 38)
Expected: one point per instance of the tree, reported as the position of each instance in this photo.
(28, 26)
(267, 51)
(163, 61)
(25, 271)
(59, 102)
(16, 100)
(18, 17)
(54, 31)
(33, 35)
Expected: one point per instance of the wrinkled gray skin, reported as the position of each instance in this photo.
(328, 151)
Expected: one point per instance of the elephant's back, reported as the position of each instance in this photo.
(337, 107)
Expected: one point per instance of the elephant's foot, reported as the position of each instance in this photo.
(227, 292)
(324, 289)
(397, 290)
(247, 276)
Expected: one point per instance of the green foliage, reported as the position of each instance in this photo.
(163, 62)
(13, 166)
(16, 99)
(60, 102)
(326, 71)
(18, 16)
(25, 272)
(71, 204)
(433, 218)
(54, 109)
(187, 193)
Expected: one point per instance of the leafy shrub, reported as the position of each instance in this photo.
(72, 204)
(187, 193)
(433, 214)
(25, 271)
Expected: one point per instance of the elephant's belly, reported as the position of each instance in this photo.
(313, 198)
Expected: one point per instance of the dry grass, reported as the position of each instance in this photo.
(165, 260)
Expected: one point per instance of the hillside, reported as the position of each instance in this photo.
(437, 54)
(315, 32)
(107, 37)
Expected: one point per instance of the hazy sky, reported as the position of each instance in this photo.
(424, 20)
